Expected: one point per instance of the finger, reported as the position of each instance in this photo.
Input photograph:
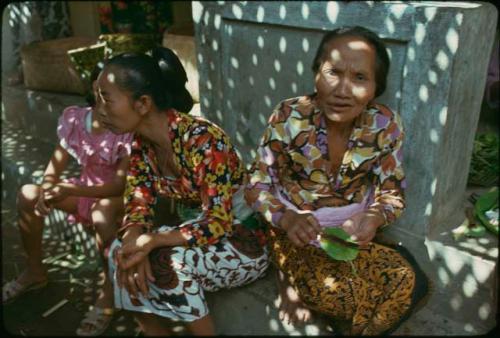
(133, 260)
(42, 207)
(314, 222)
(119, 257)
(310, 231)
(303, 236)
(142, 282)
(149, 271)
(286, 317)
(131, 284)
(128, 249)
(42, 211)
(119, 277)
(295, 240)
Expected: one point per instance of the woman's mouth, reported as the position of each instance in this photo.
(339, 106)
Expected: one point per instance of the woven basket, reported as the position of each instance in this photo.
(46, 65)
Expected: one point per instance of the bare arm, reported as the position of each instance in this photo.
(56, 165)
(113, 188)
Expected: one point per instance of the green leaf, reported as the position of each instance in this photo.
(340, 233)
(484, 203)
(336, 249)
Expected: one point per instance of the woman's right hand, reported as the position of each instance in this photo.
(301, 228)
(134, 277)
(42, 208)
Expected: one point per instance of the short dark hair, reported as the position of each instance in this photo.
(160, 75)
(89, 92)
(382, 62)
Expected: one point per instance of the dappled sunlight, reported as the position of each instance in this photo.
(282, 12)
(238, 13)
(260, 14)
(282, 45)
(305, 10)
(111, 77)
(332, 11)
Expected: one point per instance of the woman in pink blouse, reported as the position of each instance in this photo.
(335, 158)
(94, 199)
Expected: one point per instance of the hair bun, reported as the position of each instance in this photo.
(173, 72)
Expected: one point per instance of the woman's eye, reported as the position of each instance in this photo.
(360, 77)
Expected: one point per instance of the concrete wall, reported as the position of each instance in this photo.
(251, 55)
(84, 18)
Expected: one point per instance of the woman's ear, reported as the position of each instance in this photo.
(143, 104)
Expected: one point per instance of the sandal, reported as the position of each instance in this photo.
(13, 290)
(98, 318)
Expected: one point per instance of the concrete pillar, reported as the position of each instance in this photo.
(251, 55)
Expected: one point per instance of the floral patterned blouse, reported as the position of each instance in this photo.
(293, 154)
(210, 172)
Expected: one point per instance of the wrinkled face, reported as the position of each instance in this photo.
(345, 81)
(115, 106)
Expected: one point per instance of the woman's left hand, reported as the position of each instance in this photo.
(134, 252)
(363, 226)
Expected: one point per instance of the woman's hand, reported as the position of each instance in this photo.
(134, 252)
(58, 192)
(134, 269)
(363, 226)
(301, 228)
(42, 209)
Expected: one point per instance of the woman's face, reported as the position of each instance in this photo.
(345, 81)
(115, 106)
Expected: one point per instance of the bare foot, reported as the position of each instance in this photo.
(291, 308)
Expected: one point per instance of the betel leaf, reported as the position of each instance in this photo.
(338, 245)
(484, 203)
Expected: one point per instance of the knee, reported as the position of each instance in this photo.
(27, 196)
(104, 219)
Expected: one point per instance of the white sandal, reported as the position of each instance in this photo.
(98, 318)
(13, 290)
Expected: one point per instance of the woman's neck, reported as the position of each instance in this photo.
(339, 128)
(154, 128)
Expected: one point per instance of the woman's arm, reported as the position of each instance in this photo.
(265, 170)
(57, 163)
(113, 188)
(390, 181)
(140, 193)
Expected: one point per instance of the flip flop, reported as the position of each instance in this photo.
(98, 318)
(13, 290)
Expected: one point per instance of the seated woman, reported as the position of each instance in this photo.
(162, 272)
(336, 154)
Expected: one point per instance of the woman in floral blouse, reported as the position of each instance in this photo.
(162, 272)
(336, 156)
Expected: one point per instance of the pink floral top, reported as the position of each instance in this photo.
(97, 154)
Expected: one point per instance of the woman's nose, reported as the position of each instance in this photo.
(343, 87)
